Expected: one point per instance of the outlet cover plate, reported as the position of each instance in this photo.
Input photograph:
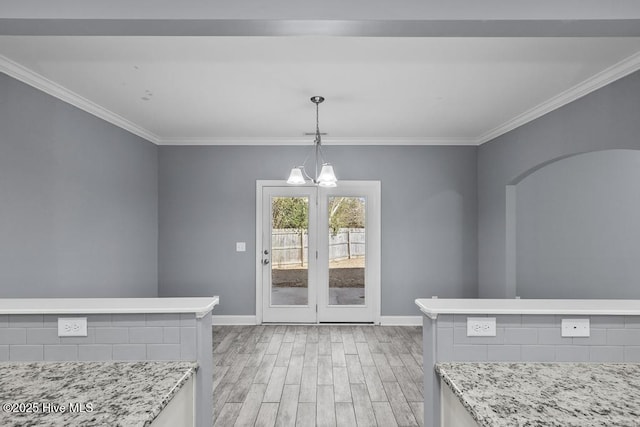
(72, 326)
(481, 326)
(575, 328)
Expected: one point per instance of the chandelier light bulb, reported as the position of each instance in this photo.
(327, 177)
(296, 177)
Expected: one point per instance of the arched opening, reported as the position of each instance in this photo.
(573, 229)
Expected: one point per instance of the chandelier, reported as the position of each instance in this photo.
(326, 177)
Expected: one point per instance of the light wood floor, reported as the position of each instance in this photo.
(317, 376)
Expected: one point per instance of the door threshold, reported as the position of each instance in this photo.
(319, 324)
(346, 323)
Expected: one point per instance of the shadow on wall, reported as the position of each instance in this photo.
(573, 229)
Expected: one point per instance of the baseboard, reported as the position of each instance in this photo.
(233, 320)
(251, 320)
(401, 320)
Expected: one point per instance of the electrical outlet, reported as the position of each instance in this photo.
(72, 326)
(575, 328)
(481, 326)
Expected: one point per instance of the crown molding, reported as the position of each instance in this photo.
(601, 79)
(30, 77)
(309, 141)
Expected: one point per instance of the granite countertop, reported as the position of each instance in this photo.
(547, 394)
(91, 393)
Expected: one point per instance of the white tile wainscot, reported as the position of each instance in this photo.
(527, 330)
(118, 329)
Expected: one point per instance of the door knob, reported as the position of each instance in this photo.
(265, 261)
(266, 252)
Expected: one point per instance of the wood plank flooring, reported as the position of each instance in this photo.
(317, 375)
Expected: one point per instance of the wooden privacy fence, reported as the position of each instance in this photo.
(289, 247)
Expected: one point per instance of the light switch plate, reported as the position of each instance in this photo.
(72, 326)
(575, 328)
(241, 247)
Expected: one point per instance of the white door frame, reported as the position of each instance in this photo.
(373, 248)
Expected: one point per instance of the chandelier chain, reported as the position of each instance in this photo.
(318, 122)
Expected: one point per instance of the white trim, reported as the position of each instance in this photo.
(401, 320)
(599, 80)
(326, 140)
(38, 81)
(569, 307)
(603, 78)
(259, 185)
(200, 306)
(233, 320)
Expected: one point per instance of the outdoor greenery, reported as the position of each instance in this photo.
(290, 212)
(293, 213)
(346, 212)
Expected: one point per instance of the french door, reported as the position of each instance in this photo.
(318, 253)
(288, 269)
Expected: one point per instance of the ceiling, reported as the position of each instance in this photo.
(378, 90)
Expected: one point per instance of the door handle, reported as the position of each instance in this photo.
(266, 252)
(265, 261)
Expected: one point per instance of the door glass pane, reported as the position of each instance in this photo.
(347, 257)
(289, 250)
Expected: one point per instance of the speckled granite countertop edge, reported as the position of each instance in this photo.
(554, 394)
(458, 393)
(167, 398)
(121, 393)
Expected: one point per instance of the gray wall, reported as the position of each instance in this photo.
(207, 203)
(577, 232)
(78, 201)
(604, 119)
(79, 212)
